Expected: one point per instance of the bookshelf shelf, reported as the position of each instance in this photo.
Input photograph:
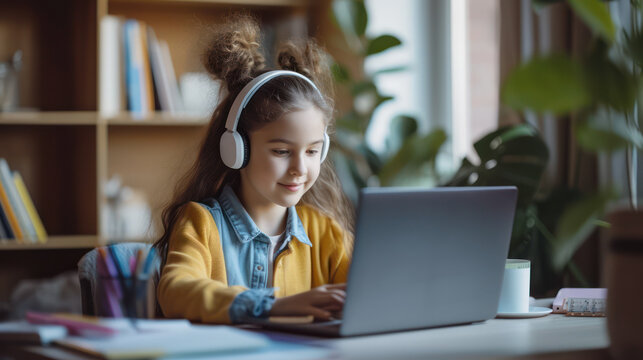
(92, 118)
(56, 242)
(49, 118)
(269, 3)
(159, 119)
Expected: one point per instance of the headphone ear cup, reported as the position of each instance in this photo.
(232, 149)
(325, 147)
(246, 149)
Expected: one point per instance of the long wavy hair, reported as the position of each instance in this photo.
(234, 57)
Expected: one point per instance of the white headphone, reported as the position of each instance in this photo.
(234, 148)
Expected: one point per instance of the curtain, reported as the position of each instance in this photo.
(525, 33)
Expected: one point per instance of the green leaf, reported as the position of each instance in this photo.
(605, 131)
(596, 15)
(634, 46)
(381, 44)
(511, 155)
(351, 16)
(610, 84)
(363, 86)
(539, 4)
(598, 139)
(555, 83)
(462, 176)
(340, 73)
(372, 159)
(576, 224)
(401, 128)
(390, 70)
(350, 122)
(416, 151)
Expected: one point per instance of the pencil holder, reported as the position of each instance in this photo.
(131, 297)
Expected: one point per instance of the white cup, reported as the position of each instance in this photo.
(514, 296)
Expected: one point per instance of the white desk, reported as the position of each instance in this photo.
(491, 339)
(551, 337)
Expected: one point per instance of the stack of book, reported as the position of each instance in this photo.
(136, 70)
(19, 219)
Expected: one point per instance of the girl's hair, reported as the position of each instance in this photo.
(234, 57)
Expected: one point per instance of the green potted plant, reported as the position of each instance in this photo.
(409, 156)
(603, 89)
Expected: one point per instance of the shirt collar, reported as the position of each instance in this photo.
(246, 229)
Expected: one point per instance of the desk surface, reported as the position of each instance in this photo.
(491, 339)
(550, 337)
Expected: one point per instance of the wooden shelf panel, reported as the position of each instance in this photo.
(92, 118)
(49, 118)
(290, 3)
(159, 119)
(151, 160)
(55, 242)
(67, 242)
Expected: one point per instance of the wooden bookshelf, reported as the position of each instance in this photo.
(62, 146)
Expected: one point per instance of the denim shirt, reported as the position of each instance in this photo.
(245, 250)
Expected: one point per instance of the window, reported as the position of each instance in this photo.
(451, 49)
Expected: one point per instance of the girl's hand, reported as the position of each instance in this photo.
(321, 302)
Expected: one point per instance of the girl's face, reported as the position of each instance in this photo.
(285, 159)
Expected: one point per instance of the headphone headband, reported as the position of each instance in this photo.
(244, 96)
(234, 149)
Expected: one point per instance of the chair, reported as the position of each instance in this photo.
(88, 279)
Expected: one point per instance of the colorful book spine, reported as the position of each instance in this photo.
(132, 70)
(112, 83)
(148, 88)
(31, 208)
(12, 204)
(158, 74)
(3, 232)
(4, 219)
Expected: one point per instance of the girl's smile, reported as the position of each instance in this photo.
(292, 187)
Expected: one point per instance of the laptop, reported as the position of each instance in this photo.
(422, 258)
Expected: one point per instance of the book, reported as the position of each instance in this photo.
(3, 232)
(161, 82)
(112, 76)
(148, 88)
(23, 332)
(11, 201)
(168, 67)
(133, 72)
(193, 340)
(8, 218)
(41, 234)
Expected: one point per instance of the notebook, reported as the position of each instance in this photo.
(23, 332)
(194, 340)
(422, 258)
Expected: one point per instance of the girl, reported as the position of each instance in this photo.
(259, 226)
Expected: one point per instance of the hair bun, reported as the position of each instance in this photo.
(233, 54)
(309, 60)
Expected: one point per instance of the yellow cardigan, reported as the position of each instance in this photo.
(193, 282)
